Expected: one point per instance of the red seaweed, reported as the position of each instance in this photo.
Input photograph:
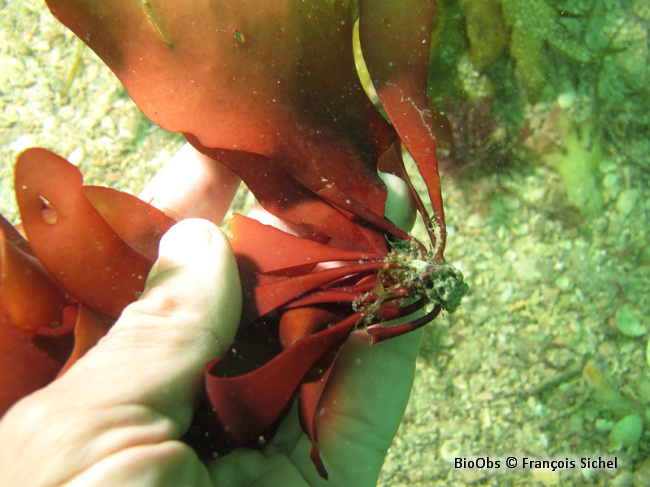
(270, 90)
(83, 261)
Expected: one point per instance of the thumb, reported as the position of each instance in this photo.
(187, 316)
(136, 387)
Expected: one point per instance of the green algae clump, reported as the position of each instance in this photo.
(486, 31)
(577, 160)
(531, 23)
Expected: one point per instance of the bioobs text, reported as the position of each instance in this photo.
(478, 462)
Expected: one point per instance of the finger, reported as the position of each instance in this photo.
(137, 386)
(399, 208)
(191, 185)
(361, 409)
(261, 215)
(400, 205)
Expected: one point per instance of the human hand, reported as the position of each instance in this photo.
(116, 416)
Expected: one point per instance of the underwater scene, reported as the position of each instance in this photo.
(540, 376)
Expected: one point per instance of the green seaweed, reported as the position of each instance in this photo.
(578, 161)
(532, 23)
(597, 51)
(448, 47)
(486, 31)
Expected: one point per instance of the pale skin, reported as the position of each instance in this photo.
(116, 416)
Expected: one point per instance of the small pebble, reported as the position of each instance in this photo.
(627, 201)
(563, 283)
(76, 156)
(628, 321)
(626, 432)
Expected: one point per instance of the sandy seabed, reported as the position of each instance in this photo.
(526, 368)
